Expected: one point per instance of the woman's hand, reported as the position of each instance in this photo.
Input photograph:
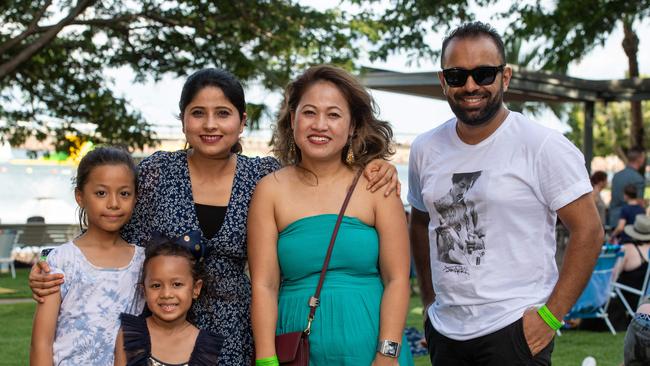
(43, 283)
(381, 173)
(381, 360)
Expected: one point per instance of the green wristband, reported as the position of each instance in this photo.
(267, 361)
(549, 318)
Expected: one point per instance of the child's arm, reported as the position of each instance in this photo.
(44, 330)
(120, 356)
(619, 229)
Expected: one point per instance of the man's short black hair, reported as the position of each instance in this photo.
(634, 153)
(471, 30)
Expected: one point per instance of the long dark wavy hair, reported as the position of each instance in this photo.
(372, 139)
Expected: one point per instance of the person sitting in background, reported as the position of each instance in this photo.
(636, 347)
(599, 182)
(630, 271)
(633, 268)
(633, 206)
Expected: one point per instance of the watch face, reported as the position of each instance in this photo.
(389, 348)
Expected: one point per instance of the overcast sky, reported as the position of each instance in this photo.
(409, 115)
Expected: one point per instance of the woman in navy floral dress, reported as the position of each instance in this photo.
(166, 204)
(208, 187)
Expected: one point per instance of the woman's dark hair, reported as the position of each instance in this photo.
(598, 176)
(159, 248)
(227, 82)
(372, 137)
(100, 156)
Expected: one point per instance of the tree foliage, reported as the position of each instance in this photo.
(53, 56)
(570, 29)
(611, 127)
(559, 32)
(402, 27)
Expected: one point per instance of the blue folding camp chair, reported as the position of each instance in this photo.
(594, 300)
(641, 292)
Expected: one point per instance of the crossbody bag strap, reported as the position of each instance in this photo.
(314, 300)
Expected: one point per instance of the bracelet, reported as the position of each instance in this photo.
(267, 361)
(549, 318)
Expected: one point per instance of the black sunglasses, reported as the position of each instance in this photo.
(482, 75)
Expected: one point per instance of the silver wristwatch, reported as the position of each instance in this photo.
(388, 348)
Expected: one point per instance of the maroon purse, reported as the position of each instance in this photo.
(292, 348)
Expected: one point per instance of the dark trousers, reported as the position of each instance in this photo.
(505, 347)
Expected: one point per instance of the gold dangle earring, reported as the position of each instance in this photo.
(292, 148)
(350, 156)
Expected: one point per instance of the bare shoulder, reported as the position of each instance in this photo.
(273, 182)
(377, 198)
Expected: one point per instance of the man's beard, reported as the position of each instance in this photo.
(484, 115)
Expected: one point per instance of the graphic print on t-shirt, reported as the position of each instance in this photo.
(459, 236)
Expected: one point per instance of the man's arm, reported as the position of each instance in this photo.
(419, 236)
(585, 240)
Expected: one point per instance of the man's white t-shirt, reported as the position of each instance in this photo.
(492, 209)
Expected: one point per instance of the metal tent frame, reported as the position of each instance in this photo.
(525, 85)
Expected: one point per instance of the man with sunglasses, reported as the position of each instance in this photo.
(502, 307)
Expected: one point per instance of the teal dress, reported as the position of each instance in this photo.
(345, 330)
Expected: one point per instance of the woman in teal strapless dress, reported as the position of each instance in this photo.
(322, 142)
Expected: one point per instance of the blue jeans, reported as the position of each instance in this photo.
(637, 341)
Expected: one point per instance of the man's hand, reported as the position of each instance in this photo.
(381, 173)
(537, 333)
(43, 283)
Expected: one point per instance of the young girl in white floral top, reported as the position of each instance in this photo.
(79, 324)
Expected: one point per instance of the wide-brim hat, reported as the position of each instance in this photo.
(640, 230)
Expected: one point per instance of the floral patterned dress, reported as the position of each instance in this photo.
(92, 299)
(165, 204)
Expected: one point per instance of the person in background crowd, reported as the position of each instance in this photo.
(636, 346)
(629, 175)
(598, 183)
(633, 206)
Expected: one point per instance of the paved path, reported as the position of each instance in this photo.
(15, 301)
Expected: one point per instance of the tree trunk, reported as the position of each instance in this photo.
(631, 47)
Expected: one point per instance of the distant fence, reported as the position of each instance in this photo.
(30, 238)
(40, 234)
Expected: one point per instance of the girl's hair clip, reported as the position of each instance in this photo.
(190, 241)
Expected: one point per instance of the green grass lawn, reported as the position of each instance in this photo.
(15, 333)
(19, 284)
(570, 349)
